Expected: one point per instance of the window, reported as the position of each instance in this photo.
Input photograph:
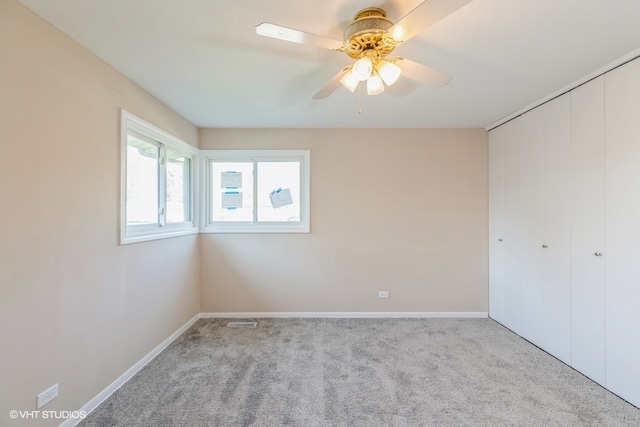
(256, 191)
(157, 183)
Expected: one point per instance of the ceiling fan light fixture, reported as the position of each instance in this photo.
(389, 72)
(397, 34)
(375, 85)
(362, 68)
(368, 39)
(350, 81)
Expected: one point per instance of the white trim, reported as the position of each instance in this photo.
(134, 234)
(618, 62)
(165, 235)
(302, 156)
(348, 315)
(122, 379)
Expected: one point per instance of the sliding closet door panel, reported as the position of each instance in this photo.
(496, 223)
(556, 243)
(622, 230)
(531, 226)
(512, 213)
(587, 230)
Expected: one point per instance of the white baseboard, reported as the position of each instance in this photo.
(347, 315)
(104, 394)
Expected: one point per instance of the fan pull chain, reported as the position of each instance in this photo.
(360, 98)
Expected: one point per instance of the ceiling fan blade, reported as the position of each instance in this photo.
(422, 74)
(333, 84)
(422, 17)
(288, 34)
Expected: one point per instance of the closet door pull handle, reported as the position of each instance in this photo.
(499, 240)
(598, 254)
(545, 246)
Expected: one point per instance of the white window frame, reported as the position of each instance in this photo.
(162, 230)
(255, 156)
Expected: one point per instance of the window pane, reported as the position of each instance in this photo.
(231, 191)
(142, 181)
(178, 187)
(279, 191)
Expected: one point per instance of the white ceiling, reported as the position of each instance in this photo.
(204, 60)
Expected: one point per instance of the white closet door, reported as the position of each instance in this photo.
(556, 242)
(622, 230)
(496, 223)
(531, 226)
(587, 230)
(512, 213)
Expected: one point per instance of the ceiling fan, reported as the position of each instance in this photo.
(368, 39)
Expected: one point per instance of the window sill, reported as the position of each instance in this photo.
(163, 234)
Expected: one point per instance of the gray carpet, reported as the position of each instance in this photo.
(359, 372)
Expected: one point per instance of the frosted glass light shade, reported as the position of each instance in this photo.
(362, 68)
(398, 34)
(375, 85)
(389, 72)
(350, 81)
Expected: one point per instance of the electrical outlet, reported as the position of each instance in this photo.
(383, 294)
(47, 396)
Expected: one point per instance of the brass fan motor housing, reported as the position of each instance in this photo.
(367, 32)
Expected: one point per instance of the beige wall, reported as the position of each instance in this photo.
(398, 210)
(75, 307)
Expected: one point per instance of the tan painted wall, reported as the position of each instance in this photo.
(397, 210)
(75, 307)
(79, 310)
